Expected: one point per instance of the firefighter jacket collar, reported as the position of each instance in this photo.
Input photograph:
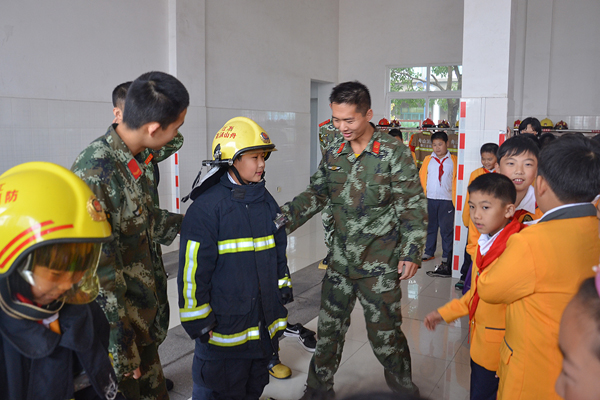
(245, 193)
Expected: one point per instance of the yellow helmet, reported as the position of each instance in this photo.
(546, 123)
(42, 206)
(239, 135)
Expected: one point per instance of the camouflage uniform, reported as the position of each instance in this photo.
(132, 287)
(326, 135)
(161, 236)
(379, 218)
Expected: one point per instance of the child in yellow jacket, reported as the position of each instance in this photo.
(492, 204)
(438, 178)
(518, 160)
(543, 266)
(489, 161)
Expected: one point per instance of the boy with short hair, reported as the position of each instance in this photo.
(133, 293)
(233, 276)
(492, 198)
(438, 179)
(489, 162)
(543, 266)
(518, 160)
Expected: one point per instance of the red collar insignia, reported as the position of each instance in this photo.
(341, 148)
(376, 147)
(134, 168)
(149, 158)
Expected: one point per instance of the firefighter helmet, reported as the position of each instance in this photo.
(237, 136)
(383, 122)
(428, 123)
(51, 219)
(546, 123)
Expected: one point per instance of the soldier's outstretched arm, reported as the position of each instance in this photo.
(166, 226)
(410, 205)
(304, 206)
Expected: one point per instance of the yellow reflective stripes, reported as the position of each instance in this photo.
(246, 244)
(235, 339)
(191, 310)
(189, 274)
(190, 314)
(284, 282)
(277, 325)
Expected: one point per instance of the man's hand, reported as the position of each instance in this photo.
(432, 319)
(407, 269)
(136, 374)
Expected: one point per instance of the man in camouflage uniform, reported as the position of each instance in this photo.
(379, 215)
(166, 236)
(131, 287)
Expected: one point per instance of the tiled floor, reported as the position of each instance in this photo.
(440, 359)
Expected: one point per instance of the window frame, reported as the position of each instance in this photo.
(427, 94)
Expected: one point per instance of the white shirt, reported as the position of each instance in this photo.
(435, 189)
(486, 241)
(528, 202)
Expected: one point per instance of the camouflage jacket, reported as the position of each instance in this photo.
(133, 292)
(162, 236)
(377, 203)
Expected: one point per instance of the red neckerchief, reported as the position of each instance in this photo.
(441, 167)
(520, 214)
(497, 248)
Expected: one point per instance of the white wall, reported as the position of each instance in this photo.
(260, 59)
(376, 34)
(59, 62)
(557, 62)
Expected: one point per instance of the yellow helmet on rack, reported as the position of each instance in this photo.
(44, 209)
(546, 123)
(239, 135)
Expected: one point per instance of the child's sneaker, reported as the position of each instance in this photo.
(459, 285)
(306, 337)
(443, 270)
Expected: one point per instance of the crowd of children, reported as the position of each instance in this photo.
(533, 239)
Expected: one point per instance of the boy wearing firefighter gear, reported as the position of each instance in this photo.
(133, 292)
(53, 336)
(233, 276)
(369, 180)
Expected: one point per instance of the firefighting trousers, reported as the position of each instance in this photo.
(380, 298)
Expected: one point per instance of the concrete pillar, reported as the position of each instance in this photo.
(487, 74)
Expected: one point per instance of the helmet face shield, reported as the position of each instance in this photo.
(63, 272)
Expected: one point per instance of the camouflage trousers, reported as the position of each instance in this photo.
(380, 297)
(151, 385)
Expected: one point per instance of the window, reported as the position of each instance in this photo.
(417, 93)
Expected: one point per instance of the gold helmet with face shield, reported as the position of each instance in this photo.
(51, 231)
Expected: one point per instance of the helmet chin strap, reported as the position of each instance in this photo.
(237, 175)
